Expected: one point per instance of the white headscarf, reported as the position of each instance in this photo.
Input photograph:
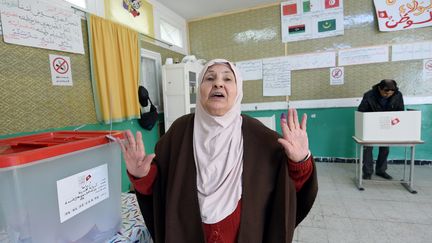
(218, 151)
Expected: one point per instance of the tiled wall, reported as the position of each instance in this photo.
(256, 34)
(29, 101)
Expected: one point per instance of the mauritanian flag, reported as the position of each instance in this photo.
(326, 25)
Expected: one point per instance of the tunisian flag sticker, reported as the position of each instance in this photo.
(395, 121)
(331, 4)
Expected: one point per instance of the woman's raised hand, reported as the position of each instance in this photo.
(294, 140)
(137, 162)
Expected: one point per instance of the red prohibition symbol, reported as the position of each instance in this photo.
(337, 73)
(60, 65)
(428, 65)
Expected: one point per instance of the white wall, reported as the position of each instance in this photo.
(159, 12)
(97, 7)
(162, 12)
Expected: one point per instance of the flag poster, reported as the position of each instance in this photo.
(403, 14)
(310, 19)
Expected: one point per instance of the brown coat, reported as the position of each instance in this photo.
(271, 208)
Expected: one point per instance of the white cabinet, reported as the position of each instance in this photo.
(179, 85)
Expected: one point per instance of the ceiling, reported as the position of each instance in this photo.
(193, 9)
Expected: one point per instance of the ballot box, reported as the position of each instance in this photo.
(390, 126)
(60, 186)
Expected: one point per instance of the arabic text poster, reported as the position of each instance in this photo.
(310, 19)
(363, 55)
(79, 192)
(403, 14)
(251, 69)
(411, 51)
(276, 77)
(43, 25)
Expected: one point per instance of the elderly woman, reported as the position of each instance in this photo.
(219, 176)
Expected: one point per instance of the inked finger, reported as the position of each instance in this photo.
(284, 126)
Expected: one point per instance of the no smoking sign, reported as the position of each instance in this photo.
(60, 70)
(428, 65)
(337, 73)
(60, 65)
(336, 76)
(427, 69)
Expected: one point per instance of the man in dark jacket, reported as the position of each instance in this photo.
(383, 96)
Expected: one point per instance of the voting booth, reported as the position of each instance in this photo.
(60, 187)
(388, 129)
(388, 126)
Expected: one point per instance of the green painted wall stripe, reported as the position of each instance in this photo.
(330, 131)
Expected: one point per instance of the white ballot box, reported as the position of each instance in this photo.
(62, 186)
(388, 126)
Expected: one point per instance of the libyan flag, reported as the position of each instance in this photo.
(327, 25)
(296, 29)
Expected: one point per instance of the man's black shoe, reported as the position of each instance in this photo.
(366, 177)
(384, 175)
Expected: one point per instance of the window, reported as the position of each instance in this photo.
(169, 27)
(80, 3)
(81, 7)
(151, 76)
(171, 34)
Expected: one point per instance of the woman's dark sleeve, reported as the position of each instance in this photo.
(145, 203)
(306, 196)
(144, 193)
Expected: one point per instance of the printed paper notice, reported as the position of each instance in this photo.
(250, 70)
(43, 25)
(312, 60)
(412, 51)
(363, 55)
(61, 73)
(276, 77)
(79, 192)
(13, 3)
(337, 76)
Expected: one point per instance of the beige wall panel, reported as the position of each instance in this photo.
(30, 102)
(256, 34)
